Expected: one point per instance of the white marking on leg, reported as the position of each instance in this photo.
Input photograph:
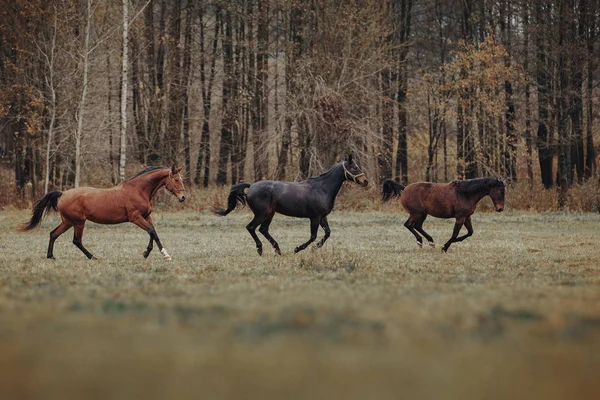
(432, 244)
(420, 245)
(165, 254)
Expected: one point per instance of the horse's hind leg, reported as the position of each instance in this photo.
(251, 227)
(264, 229)
(59, 230)
(325, 226)
(314, 226)
(410, 225)
(77, 237)
(419, 228)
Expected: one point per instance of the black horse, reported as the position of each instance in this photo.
(312, 199)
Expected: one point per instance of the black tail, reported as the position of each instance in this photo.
(43, 206)
(391, 189)
(237, 196)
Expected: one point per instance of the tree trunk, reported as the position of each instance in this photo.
(577, 60)
(187, 74)
(124, 66)
(544, 137)
(564, 139)
(590, 156)
(528, 133)
(259, 133)
(402, 151)
(510, 155)
(50, 83)
(225, 143)
(83, 99)
(206, 85)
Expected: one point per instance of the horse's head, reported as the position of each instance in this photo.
(497, 193)
(352, 172)
(175, 183)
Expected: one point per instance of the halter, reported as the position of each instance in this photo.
(349, 175)
(170, 182)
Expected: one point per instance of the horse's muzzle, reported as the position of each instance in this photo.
(500, 209)
(363, 182)
(180, 197)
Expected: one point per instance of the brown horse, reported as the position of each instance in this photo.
(313, 199)
(457, 199)
(130, 201)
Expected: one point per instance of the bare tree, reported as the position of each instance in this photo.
(124, 66)
(82, 102)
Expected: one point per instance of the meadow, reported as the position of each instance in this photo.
(512, 312)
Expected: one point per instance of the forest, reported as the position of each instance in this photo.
(91, 91)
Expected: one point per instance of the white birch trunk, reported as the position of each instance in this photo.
(50, 83)
(122, 152)
(78, 134)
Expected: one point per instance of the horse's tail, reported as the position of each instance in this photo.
(391, 189)
(42, 206)
(237, 196)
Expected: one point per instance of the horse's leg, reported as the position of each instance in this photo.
(325, 226)
(419, 228)
(148, 227)
(59, 230)
(314, 226)
(469, 230)
(151, 242)
(457, 226)
(264, 229)
(410, 225)
(251, 227)
(77, 236)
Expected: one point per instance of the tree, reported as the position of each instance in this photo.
(124, 65)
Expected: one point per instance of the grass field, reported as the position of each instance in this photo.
(512, 312)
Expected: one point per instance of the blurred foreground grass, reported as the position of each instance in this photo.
(512, 312)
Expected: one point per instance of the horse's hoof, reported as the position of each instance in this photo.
(93, 258)
(278, 252)
(420, 245)
(297, 249)
(168, 258)
(431, 244)
(51, 258)
(259, 251)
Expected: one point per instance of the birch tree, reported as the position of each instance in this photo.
(124, 65)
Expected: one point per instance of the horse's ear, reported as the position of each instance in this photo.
(179, 169)
(349, 157)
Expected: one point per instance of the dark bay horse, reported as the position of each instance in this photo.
(311, 199)
(130, 201)
(457, 199)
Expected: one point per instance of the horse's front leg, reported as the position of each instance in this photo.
(148, 227)
(325, 226)
(151, 242)
(469, 230)
(314, 226)
(457, 226)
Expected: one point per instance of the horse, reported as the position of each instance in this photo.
(457, 199)
(130, 201)
(313, 199)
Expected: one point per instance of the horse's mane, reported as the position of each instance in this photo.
(324, 173)
(476, 185)
(149, 169)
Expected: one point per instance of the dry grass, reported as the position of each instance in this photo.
(513, 312)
